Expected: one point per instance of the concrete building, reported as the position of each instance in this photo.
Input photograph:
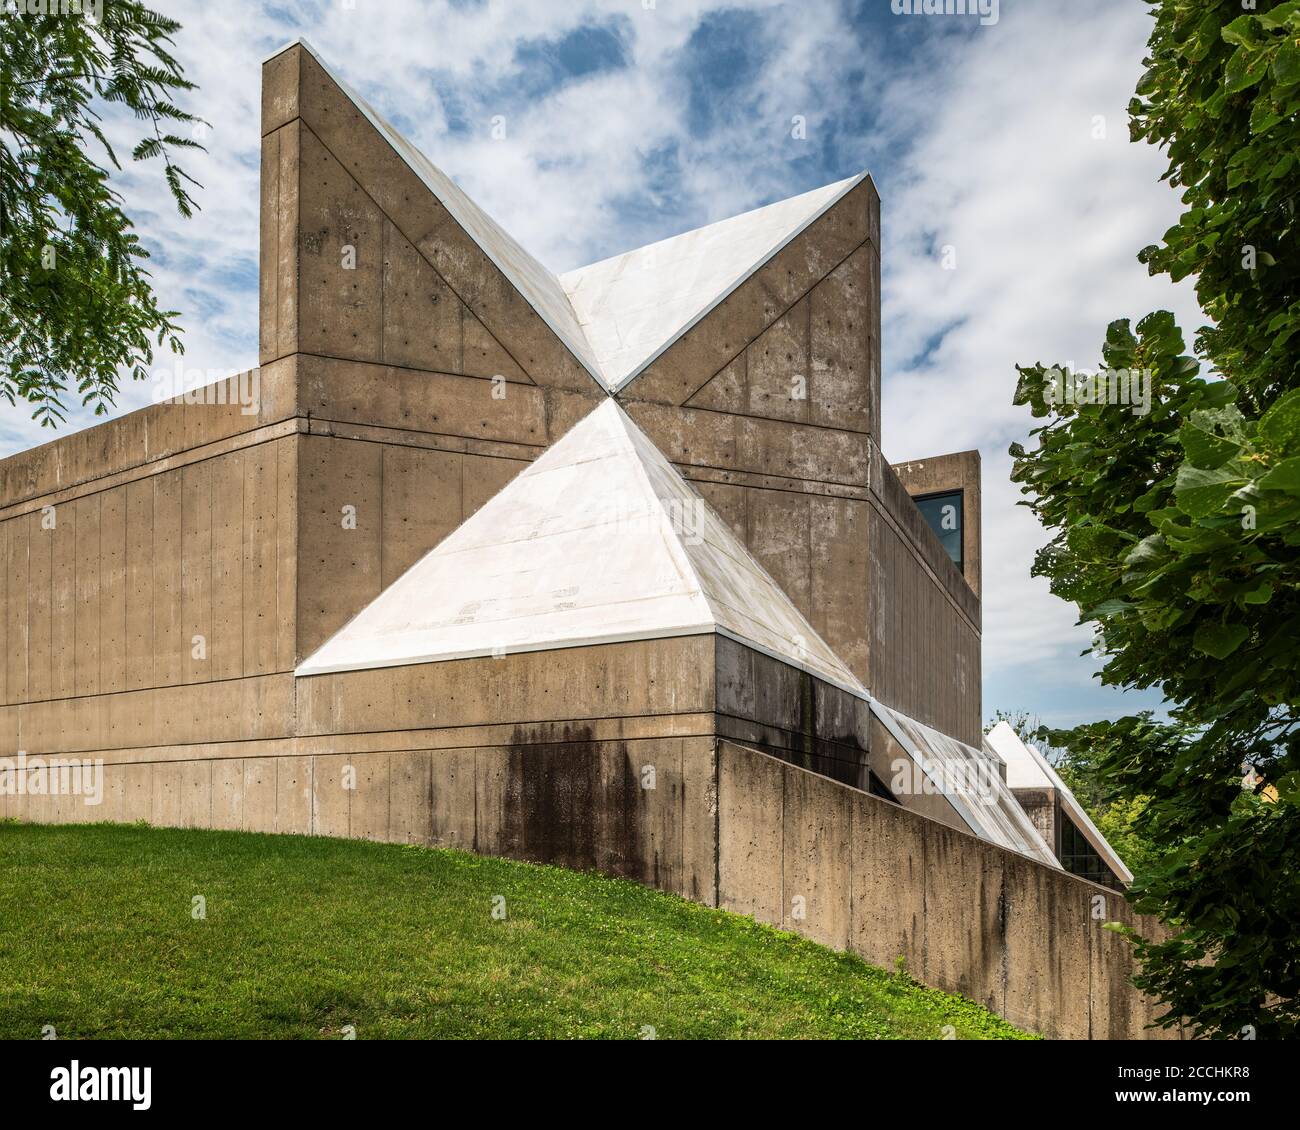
(1057, 815)
(603, 569)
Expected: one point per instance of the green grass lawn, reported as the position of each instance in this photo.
(305, 936)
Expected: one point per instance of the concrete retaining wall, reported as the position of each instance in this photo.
(855, 872)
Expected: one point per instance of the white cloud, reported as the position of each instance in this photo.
(1046, 222)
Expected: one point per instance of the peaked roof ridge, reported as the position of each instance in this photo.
(617, 321)
(639, 445)
(703, 538)
(538, 285)
(749, 214)
(634, 305)
(600, 540)
(1021, 756)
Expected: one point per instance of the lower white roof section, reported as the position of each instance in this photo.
(1027, 768)
(600, 540)
(971, 781)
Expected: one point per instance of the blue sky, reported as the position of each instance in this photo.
(626, 121)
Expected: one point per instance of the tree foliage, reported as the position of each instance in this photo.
(1176, 531)
(76, 308)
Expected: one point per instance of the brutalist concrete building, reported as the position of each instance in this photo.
(602, 569)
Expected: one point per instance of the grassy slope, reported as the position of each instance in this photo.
(306, 935)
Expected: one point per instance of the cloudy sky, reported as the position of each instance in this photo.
(627, 121)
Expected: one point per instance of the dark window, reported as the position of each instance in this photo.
(1079, 857)
(943, 512)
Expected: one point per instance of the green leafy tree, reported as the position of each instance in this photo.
(1176, 530)
(76, 307)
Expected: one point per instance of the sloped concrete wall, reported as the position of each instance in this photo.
(855, 872)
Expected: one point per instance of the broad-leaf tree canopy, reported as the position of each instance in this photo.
(1176, 531)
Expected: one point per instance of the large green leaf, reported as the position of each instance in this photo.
(1279, 427)
(1220, 640)
(1201, 492)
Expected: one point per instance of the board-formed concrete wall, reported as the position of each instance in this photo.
(855, 872)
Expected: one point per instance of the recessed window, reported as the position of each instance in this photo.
(943, 512)
(1078, 856)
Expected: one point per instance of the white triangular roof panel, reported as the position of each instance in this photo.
(599, 540)
(1027, 768)
(632, 306)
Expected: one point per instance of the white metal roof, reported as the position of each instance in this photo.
(971, 781)
(633, 306)
(617, 315)
(599, 540)
(1027, 768)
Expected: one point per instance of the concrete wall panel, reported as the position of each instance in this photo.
(63, 602)
(196, 572)
(170, 648)
(260, 580)
(965, 912)
(40, 588)
(226, 640)
(228, 793)
(293, 795)
(112, 590)
(817, 819)
(699, 879)
(421, 505)
(410, 788)
(889, 906)
(333, 781)
(368, 816)
(421, 326)
(483, 478)
(483, 356)
(340, 259)
(750, 834)
(339, 552)
(139, 584)
(777, 368)
(86, 589)
(259, 794)
(17, 605)
(421, 400)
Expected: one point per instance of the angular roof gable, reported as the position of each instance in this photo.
(600, 540)
(618, 315)
(633, 306)
(535, 283)
(1027, 768)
